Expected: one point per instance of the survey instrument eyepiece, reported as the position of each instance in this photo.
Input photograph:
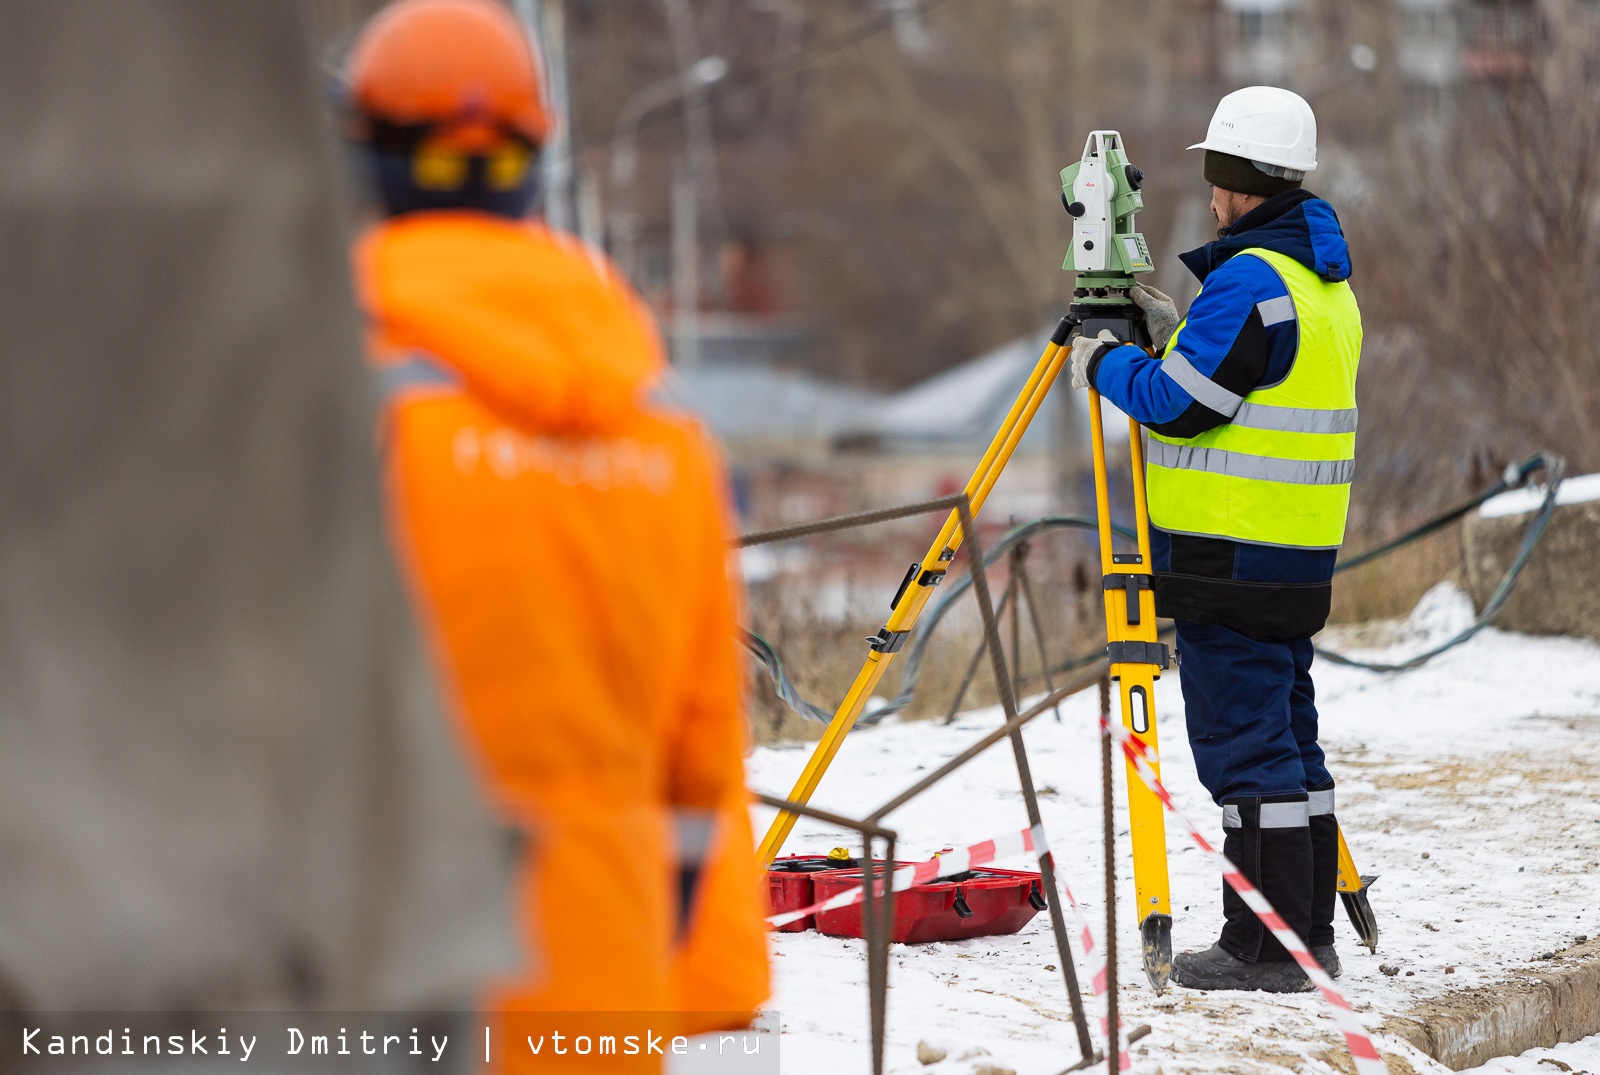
(1101, 193)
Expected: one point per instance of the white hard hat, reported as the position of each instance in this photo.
(1267, 125)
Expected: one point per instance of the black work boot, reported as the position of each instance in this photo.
(1217, 968)
(1270, 841)
(1324, 880)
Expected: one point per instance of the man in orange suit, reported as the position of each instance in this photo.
(567, 541)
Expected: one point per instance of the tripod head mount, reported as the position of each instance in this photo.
(1101, 192)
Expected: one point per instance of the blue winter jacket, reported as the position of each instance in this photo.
(1266, 592)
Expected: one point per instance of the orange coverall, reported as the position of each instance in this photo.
(568, 545)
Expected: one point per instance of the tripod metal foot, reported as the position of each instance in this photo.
(1352, 886)
(1359, 908)
(1155, 935)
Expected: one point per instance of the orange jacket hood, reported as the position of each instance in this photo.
(512, 309)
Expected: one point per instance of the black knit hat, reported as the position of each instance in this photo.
(1238, 174)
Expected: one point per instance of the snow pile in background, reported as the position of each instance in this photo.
(1444, 610)
(1579, 490)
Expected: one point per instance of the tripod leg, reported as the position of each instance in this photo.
(904, 616)
(844, 718)
(1148, 818)
(1137, 657)
(1147, 828)
(1353, 891)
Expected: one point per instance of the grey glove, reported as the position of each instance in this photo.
(1160, 313)
(1083, 349)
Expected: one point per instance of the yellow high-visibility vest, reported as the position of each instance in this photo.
(1279, 471)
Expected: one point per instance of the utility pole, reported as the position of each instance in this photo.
(545, 22)
(625, 150)
(685, 267)
(591, 218)
(696, 178)
(697, 109)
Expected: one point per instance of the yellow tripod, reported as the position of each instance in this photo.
(920, 582)
(1148, 827)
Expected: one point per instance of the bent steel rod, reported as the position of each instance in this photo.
(866, 827)
(877, 912)
(846, 522)
(877, 921)
(1082, 680)
(1108, 830)
(1008, 702)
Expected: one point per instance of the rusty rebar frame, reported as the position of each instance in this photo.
(878, 921)
(1108, 826)
(1008, 705)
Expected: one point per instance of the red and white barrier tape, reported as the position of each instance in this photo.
(1096, 958)
(1362, 1051)
(920, 873)
(953, 862)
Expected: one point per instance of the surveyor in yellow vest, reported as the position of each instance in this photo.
(1251, 414)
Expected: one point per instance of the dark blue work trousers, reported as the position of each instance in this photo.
(1252, 713)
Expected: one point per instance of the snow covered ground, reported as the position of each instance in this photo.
(1578, 1057)
(1465, 786)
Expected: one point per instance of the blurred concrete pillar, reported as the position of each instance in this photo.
(224, 777)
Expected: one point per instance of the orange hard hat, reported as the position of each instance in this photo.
(449, 64)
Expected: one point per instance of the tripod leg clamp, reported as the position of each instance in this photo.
(904, 584)
(1130, 585)
(1155, 653)
(887, 641)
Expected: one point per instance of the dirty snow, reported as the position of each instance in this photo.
(1463, 786)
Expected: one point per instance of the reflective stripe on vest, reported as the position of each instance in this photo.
(1255, 415)
(695, 830)
(416, 371)
(1254, 467)
(1279, 471)
(1295, 419)
(1201, 387)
